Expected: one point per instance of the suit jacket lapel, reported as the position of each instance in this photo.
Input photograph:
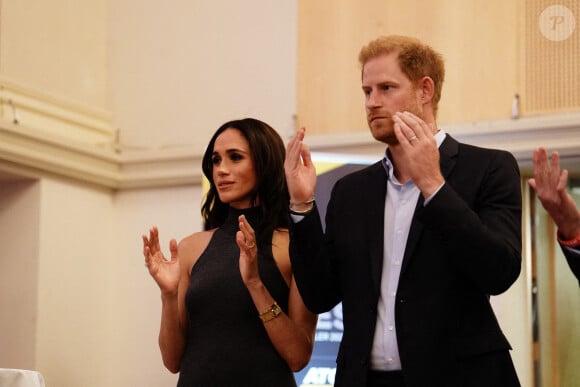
(377, 180)
(448, 155)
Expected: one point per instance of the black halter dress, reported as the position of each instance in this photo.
(227, 344)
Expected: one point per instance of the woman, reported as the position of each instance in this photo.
(231, 311)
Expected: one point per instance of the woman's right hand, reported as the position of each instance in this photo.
(165, 272)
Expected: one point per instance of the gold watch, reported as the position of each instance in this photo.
(271, 313)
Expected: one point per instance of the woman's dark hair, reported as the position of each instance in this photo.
(270, 194)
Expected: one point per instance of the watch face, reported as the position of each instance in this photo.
(273, 312)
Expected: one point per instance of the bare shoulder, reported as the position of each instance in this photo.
(280, 243)
(191, 247)
(281, 237)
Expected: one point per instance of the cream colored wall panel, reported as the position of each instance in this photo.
(77, 269)
(478, 40)
(551, 56)
(181, 71)
(58, 46)
(19, 231)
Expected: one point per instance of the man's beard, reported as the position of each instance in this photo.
(385, 132)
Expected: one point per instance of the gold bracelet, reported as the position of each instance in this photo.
(303, 212)
(271, 313)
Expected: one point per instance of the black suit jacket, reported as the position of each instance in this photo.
(573, 260)
(464, 246)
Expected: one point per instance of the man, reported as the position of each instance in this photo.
(414, 244)
(550, 186)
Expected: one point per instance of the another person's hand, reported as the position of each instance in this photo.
(299, 170)
(165, 272)
(550, 186)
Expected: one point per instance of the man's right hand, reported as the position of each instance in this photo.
(299, 170)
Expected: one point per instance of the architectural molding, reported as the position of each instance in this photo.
(32, 153)
(159, 168)
(58, 116)
(28, 152)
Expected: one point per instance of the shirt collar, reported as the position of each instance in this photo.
(388, 164)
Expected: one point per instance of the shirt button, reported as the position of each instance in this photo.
(390, 360)
(390, 327)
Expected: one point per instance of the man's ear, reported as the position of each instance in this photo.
(426, 89)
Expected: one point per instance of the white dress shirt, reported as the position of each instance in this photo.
(400, 206)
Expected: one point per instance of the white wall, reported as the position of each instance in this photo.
(76, 268)
(19, 228)
(58, 47)
(181, 69)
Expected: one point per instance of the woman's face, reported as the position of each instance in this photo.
(233, 169)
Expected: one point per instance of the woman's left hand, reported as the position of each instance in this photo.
(246, 240)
